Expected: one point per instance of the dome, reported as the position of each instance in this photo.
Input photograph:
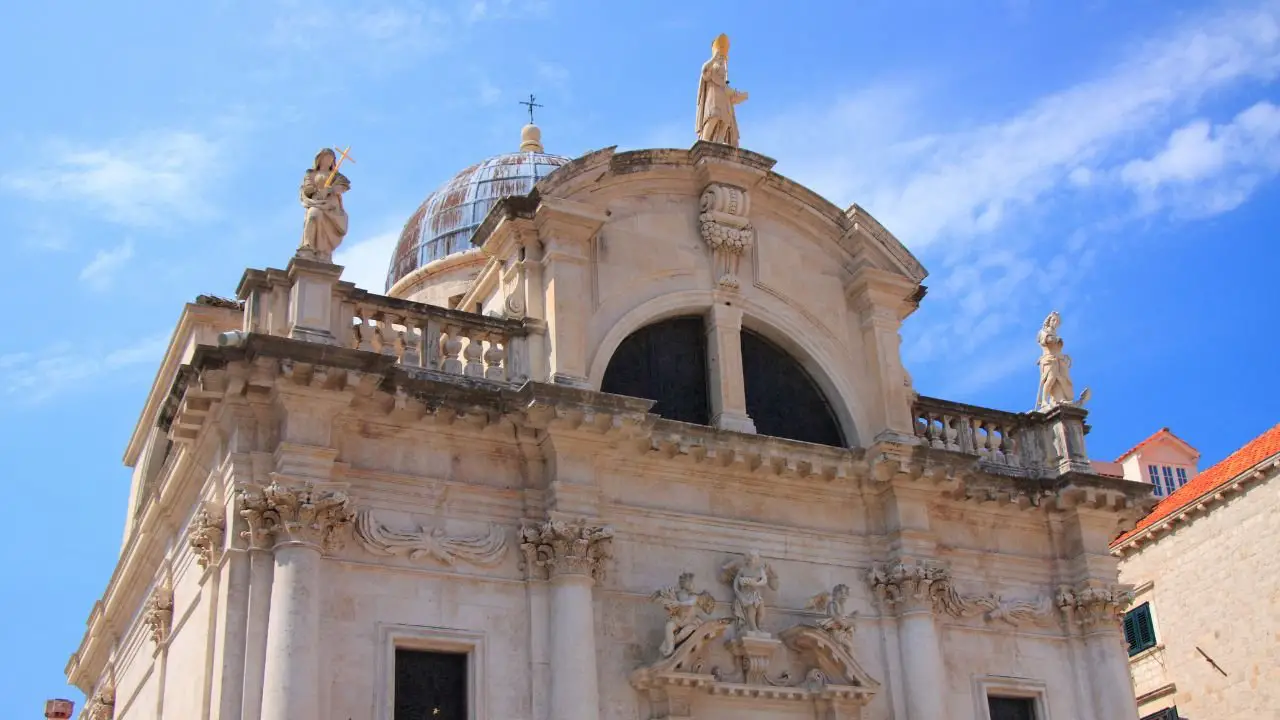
(444, 223)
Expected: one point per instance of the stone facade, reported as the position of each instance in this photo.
(342, 474)
(1212, 585)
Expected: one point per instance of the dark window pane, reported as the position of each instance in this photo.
(1004, 708)
(782, 399)
(665, 362)
(1139, 629)
(430, 685)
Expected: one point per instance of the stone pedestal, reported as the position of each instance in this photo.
(754, 652)
(1062, 430)
(724, 369)
(311, 304)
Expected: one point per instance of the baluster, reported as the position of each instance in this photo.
(411, 343)
(360, 331)
(474, 354)
(493, 359)
(450, 346)
(997, 453)
(951, 426)
(388, 339)
(430, 343)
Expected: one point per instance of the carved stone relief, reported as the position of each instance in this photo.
(301, 513)
(1094, 605)
(726, 229)
(565, 547)
(686, 610)
(380, 539)
(206, 532)
(911, 586)
(838, 621)
(748, 576)
(102, 704)
(158, 615)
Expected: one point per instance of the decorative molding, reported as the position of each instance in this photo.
(380, 539)
(102, 704)
(1094, 605)
(913, 586)
(565, 547)
(305, 513)
(725, 228)
(206, 533)
(436, 639)
(158, 615)
(986, 686)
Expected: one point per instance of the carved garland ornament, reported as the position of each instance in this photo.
(559, 547)
(206, 533)
(915, 586)
(102, 705)
(303, 513)
(726, 229)
(378, 538)
(159, 613)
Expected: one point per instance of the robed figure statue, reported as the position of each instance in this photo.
(716, 121)
(321, 194)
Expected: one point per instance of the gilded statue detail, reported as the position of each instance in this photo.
(1055, 369)
(748, 576)
(716, 120)
(686, 610)
(321, 194)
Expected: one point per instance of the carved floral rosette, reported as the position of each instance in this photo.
(296, 513)
(1095, 605)
(205, 535)
(725, 228)
(565, 547)
(159, 613)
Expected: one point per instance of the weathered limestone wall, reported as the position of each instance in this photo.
(1217, 588)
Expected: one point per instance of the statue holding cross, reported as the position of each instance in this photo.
(325, 224)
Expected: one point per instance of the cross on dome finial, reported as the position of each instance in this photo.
(532, 103)
(530, 135)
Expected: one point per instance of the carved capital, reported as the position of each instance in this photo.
(913, 586)
(206, 533)
(158, 616)
(102, 704)
(1095, 605)
(303, 513)
(726, 229)
(558, 547)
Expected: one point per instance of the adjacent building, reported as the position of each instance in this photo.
(628, 437)
(1204, 630)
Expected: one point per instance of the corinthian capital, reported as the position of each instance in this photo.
(915, 586)
(560, 547)
(205, 533)
(102, 704)
(1095, 605)
(296, 512)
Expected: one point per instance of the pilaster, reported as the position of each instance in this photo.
(915, 592)
(724, 369)
(880, 301)
(567, 230)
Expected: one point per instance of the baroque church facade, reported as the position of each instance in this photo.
(628, 437)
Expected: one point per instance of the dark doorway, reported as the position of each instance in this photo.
(665, 362)
(1005, 708)
(430, 685)
(782, 399)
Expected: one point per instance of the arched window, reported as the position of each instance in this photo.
(782, 399)
(666, 362)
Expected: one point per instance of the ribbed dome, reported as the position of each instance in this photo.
(444, 224)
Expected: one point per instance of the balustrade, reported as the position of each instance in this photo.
(990, 434)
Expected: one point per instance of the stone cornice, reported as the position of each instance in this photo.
(1269, 469)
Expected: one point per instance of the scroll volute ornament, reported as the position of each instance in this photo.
(726, 229)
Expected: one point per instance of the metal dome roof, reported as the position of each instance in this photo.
(444, 223)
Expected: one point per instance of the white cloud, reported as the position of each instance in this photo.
(1205, 169)
(33, 378)
(553, 75)
(101, 271)
(144, 181)
(365, 262)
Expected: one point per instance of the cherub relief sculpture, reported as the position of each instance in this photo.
(838, 622)
(321, 194)
(748, 576)
(1055, 369)
(686, 610)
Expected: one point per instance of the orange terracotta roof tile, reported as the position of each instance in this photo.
(1261, 448)
(1162, 432)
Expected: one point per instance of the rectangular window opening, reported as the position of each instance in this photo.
(430, 685)
(1139, 630)
(1011, 708)
(1182, 477)
(1169, 485)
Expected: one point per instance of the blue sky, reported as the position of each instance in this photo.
(1112, 160)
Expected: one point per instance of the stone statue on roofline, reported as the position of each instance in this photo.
(1055, 369)
(325, 223)
(716, 120)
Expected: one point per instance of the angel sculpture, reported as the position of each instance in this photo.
(838, 622)
(747, 575)
(686, 609)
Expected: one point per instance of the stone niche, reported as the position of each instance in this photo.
(801, 673)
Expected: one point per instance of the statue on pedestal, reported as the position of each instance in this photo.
(716, 120)
(748, 576)
(321, 194)
(1055, 369)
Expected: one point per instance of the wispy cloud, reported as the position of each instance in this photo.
(33, 378)
(144, 181)
(101, 271)
(967, 198)
(365, 262)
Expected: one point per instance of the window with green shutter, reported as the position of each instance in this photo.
(1139, 631)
